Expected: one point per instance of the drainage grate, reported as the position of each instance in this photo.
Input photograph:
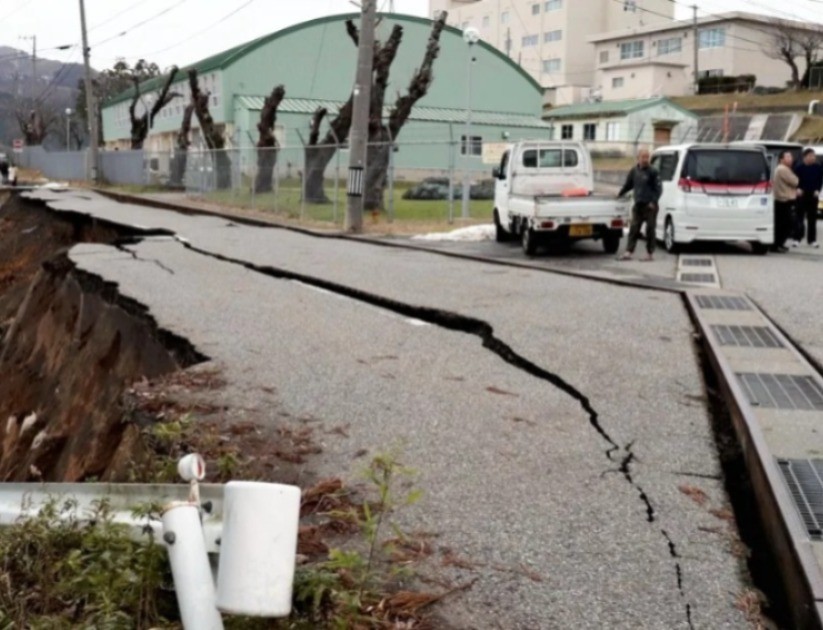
(696, 262)
(703, 278)
(782, 391)
(804, 477)
(726, 302)
(747, 336)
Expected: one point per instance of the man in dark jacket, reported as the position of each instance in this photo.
(810, 174)
(644, 180)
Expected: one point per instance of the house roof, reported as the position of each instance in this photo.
(674, 25)
(225, 58)
(608, 109)
(419, 113)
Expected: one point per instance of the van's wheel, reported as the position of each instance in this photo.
(668, 237)
(500, 235)
(760, 249)
(611, 241)
(529, 241)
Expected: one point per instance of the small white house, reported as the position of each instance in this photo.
(610, 127)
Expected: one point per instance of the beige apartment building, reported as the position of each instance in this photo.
(550, 39)
(658, 60)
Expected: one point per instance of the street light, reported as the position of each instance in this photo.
(68, 122)
(471, 36)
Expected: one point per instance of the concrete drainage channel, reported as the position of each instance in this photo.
(775, 400)
(698, 270)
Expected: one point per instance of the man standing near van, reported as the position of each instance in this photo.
(785, 195)
(810, 174)
(644, 180)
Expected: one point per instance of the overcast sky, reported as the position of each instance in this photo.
(183, 31)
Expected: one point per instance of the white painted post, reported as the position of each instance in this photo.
(193, 582)
(258, 549)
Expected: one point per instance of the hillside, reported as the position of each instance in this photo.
(55, 84)
(761, 103)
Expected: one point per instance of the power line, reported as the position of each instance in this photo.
(139, 24)
(118, 14)
(13, 11)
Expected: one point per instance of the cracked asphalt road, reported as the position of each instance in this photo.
(514, 471)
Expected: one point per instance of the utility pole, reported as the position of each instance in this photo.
(91, 112)
(33, 79)
(696, 43)
(361, 105)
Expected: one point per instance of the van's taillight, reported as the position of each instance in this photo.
(618, 223)
(685, 184)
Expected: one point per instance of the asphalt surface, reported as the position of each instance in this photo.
(475, 372)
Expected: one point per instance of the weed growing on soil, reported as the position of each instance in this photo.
(62, 571)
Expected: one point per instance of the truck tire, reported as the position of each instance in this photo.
(500, 235)
(529, 241)
(611, 241)
(760, 249)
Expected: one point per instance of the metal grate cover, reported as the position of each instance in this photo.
(782, 391)
(726, 302)
(804, 477)
(697, 262)
(746, 336)
(703, 278)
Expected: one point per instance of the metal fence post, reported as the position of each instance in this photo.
(391, 178)
(336, 174)
(451, 173)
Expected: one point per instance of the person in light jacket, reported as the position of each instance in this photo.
(786, 192)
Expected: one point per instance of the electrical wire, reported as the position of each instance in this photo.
(134, 27)
(117, 15)
(13, 11)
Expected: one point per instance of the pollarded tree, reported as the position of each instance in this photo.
(382, 132)
(140, 125)
(182, 143)
(213, 136)
(267, 142)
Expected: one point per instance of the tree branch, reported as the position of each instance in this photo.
(268, 117)
(420, 82)
(316, 121)
(165, 98)
(353, 32)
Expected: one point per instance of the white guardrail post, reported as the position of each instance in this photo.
(251, 525)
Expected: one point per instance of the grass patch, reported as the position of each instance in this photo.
(716, 102)
(287, 202)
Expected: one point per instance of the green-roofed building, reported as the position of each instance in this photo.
(316, 63)
(621, 126)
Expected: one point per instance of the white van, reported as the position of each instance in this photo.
(714, 192)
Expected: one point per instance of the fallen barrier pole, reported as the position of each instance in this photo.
(249, 527)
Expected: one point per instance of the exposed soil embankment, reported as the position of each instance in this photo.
(69, 347)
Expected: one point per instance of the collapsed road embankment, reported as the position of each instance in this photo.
(69, 347)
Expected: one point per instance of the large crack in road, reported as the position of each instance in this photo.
(485, 331)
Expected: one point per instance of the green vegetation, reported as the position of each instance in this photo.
(61, 569)
(287, 202)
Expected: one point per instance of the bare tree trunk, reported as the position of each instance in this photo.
(267, 144)
(178, 165)
(377, 167)
(214, 138)
(318, 156)
(139, 125)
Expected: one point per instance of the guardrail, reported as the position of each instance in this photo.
(250, 526)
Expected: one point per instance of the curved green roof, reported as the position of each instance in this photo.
(224, 59)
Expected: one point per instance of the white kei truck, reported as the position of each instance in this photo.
(544, 194)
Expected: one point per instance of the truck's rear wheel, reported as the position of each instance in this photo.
(611, 241)
(500, 235)
(529, 241)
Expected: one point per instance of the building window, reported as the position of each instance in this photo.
(567, 132)
(551, 65)
(486, 21)
(631, 50)
(535, 9)
(589, 131)
(712, 38)
(553, 5)
(618, 82)
(529, 40)
(552, 36)
(613, 131)
(504, 17)
(705, 74)
(476, 148)
(669, 46)
(604, 56)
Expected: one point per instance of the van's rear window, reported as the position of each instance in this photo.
(550, 158)
(726, 167)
